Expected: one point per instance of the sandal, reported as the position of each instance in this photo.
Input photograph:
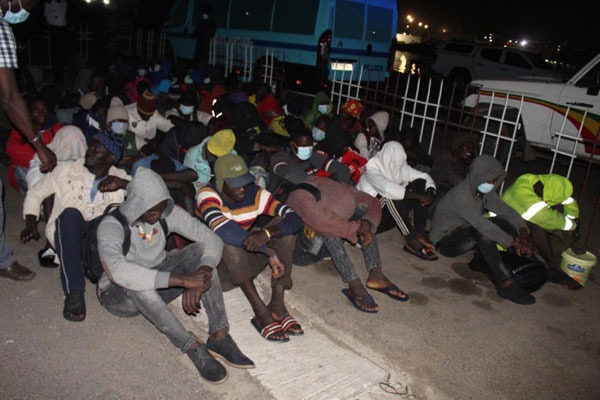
(291, 326)
(74, 308)
(271, 332)
(392, 291)
(424, 253)
(361, 303)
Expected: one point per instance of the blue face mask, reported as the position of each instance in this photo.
(318, 134)
(485, 187)
(118, 127)
(18, 17)
(323, 108)
(304, 153)
(186, 110)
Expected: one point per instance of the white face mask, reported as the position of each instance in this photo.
(204, 16)
(485, 187)
(186, 110)
(18, 17)
(304, 152)
(142, 72)
(318, 134)
(118, 127)
(323, 108)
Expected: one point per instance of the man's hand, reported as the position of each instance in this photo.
(255, 240)
(198, 280)
(365, 231)
(47, 158)
(426, 200)
(112, 183)
(523, 246)
(190, 301)
(30, 231)
(277, 265)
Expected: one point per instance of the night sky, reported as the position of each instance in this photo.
(569, 22)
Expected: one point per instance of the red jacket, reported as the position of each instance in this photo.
(20, 151)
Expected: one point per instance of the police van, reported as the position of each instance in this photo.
(312, 38)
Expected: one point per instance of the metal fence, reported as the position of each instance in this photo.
(97, 46)
(435, 108)
(242, 57)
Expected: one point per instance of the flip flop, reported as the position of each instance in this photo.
(291, 326)
(368, 300)
(269, 331)
(390, 292)
(424, 253)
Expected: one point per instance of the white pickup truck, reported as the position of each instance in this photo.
(561, 116)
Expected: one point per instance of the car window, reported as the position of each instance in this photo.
(591, 79)
(515, 59)
(465, 48)
(491, 54)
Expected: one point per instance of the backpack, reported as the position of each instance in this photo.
(90, 257)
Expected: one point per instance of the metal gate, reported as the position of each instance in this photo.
(435, 108)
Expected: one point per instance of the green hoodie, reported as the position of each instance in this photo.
(311, 117)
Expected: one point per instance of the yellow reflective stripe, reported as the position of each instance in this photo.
(568, 201)
(534, 209)
(568, 224)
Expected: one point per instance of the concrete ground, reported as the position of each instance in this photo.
(454, 339)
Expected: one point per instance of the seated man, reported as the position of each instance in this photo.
(403, 191)
(146, 278)
(231, 211)
(451, 168)
(337, 211)
(292, 166)
(552, 216)
(82, 191)
(201, 157)
(459, 225)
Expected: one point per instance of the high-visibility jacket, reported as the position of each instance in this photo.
(538, 210)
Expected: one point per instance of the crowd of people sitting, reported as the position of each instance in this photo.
(211, 174)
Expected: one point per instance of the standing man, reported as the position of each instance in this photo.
(13, 104)
(205, 30)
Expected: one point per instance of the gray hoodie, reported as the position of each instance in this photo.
(135, 270)
(461, 206)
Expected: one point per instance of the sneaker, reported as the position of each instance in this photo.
(46, 258)
(228, 351)
(209, 368)
(515, 294)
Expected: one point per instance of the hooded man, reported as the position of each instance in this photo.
(552, 216)
(403, 190)
(369, 142)
(459, 224)
(321, 106)
(146, 279)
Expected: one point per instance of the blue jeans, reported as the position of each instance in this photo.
(343, 264)
(152, 304)
(6, 251)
